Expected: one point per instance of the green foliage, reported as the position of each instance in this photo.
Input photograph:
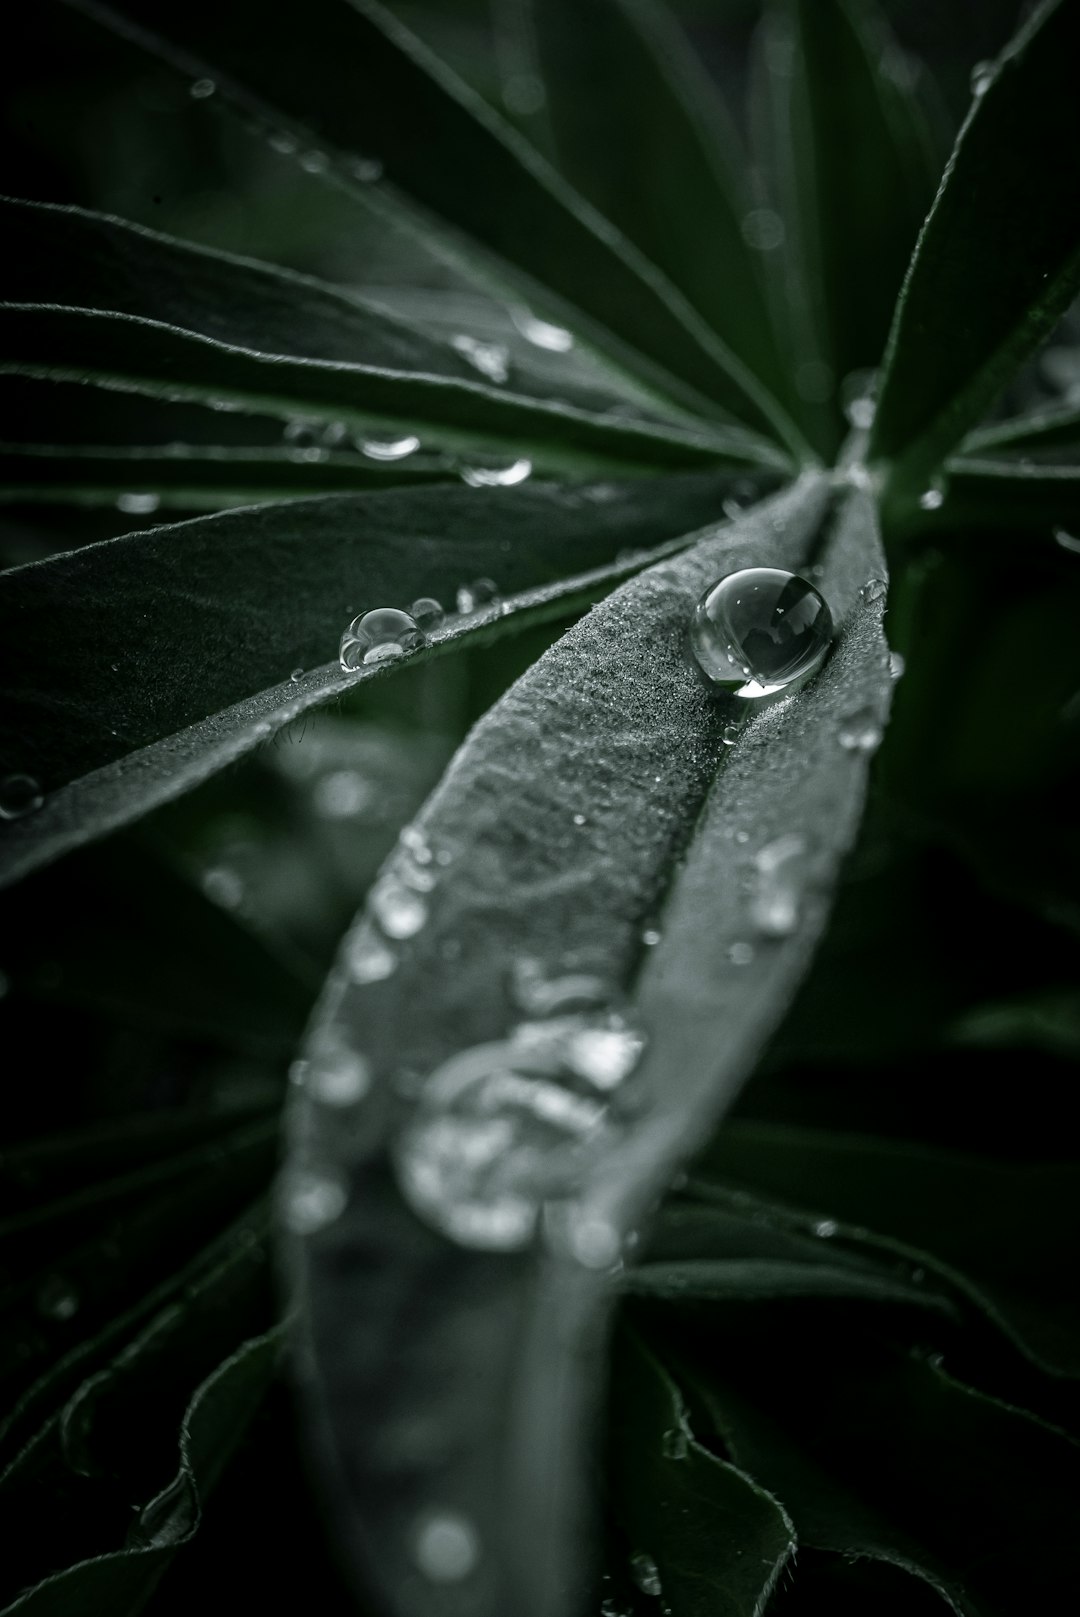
(847, 1328)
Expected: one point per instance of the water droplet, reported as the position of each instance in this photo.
(368, 957)
(388, 448)
(415, 841)
(541, 333)
(860, 731)
(982, 76)
(337, 1075)
(742, 836)
(137, 505)
(537, 994)
(875, 589)
(730, 734)
(604, 1053)
(646, 1574)
(763, 230)
(427, 613)
(311, 1200)
(490, 1141)
(334, 433)
(19, 795)
(932, 499)
(826, 1227)
(399, 910)
(368, 170)
(1067, 541)
(896, 665)
(223, 886)
(579, 819)
(57, 1298)
(481, 592)
(775, 896)
(760, 632)
(296, 676)
(675, 1444)
(300, 431)
(447, 1547)
(315, 162)
(650, 937)
(491, 359)
(741, 954)
(858, 392)
(341, 794)
(497, 476)
(593, 1242)
(284, 144)
(814, 381)
(378, 637)
(202, 89)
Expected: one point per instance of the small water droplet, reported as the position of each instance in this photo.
(741, 954)
(896, 665)
(775, 895)
(675, 1444)
(763, 230)
(760, 632)
(497, 476)
(1067, 541)
(428, 613)
(742, 836)
(340, 794)
(932, 499)
(137, 505)
(860, 731)
(541, 333)
(982, 76)
(368, 170)
(650, 937)
(593, 1242)
(315, 162)
(537, 994)
(282, 143)
(858, 392)
(378, 637)
(368, 957)
(579, 819)
(300, 431)
(826, 1227)
(311, 1201)
(337, 1075)
(481, 592)
(491, 359)
(202, 89)
(223, 886)
(447, 1546)
(730, 734)
(875, 589)
(646, 1574)
(606, 1053)
(388, 448)
(57, 1298)
(296, 676)
(334, 433)
(19, 795)
(399, 910)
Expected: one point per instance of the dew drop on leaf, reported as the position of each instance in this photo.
(497, 476)
(741, 953)
(388, 448)
(491, 359)
(446, 1546)
(311, 1201)
(860, 731)
(675, 1444)
(776, 888)
(56, 1298)
(399, 910)
(825, 1228)
(646, 1574)
(896, 665)
(481, 592)
(202, 89)
(368, 957)
(760, 632)
(380, 636)
(982, 76)
(1067, 541)
(875, 589)
(763, 230)
(541, 333)
(337, 1075)
(19, 795)
(427, 613)
(137, 505)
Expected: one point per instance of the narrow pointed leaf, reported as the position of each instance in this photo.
(176, 623)
(720, 1542)
(497, 1353)
(998, 261)
(991, 493)
(1043, 435)
(860, 173)
(677, 189)
(489, 181)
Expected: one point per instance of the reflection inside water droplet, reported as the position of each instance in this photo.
(378, 637)
(760, 632)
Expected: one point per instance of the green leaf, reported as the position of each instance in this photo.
(121, 1581)
(999, 258)
(1051, 434)
(672, 177)
(489, 181)
(254, 593)
(617, 731)
(856, 172)
(879, 1452)
(719, 1542)
(1003, 1233)
(1003, 493)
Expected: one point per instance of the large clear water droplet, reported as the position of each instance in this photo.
(447, 1546)
(19, 795)
(760, 632)
(378, 637)
(491, 1140)
(491, 359)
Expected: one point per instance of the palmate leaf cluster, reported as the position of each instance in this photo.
(842, 1372)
